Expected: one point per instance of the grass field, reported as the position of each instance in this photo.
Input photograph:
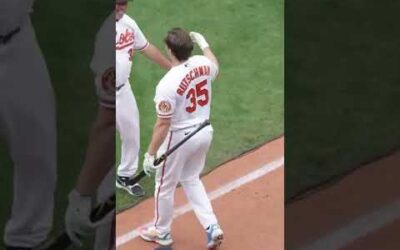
(247, 38)
(341, 88)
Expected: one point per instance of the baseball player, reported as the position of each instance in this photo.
(129, 40)
(183, 101)
(28, 125)
(98, 173)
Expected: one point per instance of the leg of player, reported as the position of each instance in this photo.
(167, 177)
(28, 119)
(194, 188)
(129, 130)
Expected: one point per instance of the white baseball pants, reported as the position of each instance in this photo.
(27, 122)
(129, 130)
(184, 166)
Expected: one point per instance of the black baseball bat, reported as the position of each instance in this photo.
(164, 156)
(99, 212)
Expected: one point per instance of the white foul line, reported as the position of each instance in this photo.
(357, 228)
(121, 240)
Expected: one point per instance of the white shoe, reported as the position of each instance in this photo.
(152, 235)
(215, 236)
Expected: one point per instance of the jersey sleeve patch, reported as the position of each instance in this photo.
(164, 109)
(108, 81)
(105, 88)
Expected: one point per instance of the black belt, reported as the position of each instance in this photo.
(4, 39)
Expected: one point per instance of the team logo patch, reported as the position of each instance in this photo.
(108, 80)
(164, 107)
(126, 39)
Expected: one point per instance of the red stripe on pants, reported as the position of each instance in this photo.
(161, 181)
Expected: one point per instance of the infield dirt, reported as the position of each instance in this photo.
(359, 211)
(251, 215)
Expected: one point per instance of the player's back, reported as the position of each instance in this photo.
(184, 94)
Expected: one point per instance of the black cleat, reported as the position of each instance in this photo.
(125, 184)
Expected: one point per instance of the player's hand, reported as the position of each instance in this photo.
(199, 39)
(77, 217)
(148, 164)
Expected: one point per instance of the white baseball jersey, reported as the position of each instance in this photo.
(103, 63)
(184, 93)
(129, 39)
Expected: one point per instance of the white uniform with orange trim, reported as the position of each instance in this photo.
(103, 66)
(103, 63)
(184, 95)
(27, 127)
(129, 40)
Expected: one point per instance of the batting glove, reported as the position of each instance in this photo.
(199, 39)
(148, 164)
(77, 217)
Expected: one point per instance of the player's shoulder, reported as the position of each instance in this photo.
(128, 20)
(107, 27)
(170, 76)
(169, 80)
(197, 58)
(200, 59)
(203, 60)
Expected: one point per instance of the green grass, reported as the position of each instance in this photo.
(342, 91)
(247, 38)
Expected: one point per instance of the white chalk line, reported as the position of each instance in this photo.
(357, 228)
(265, 169)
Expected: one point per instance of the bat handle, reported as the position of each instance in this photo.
(100, 211)
(159, 160)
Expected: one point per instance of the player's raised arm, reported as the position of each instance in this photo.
(204, 46)
(154, 54)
